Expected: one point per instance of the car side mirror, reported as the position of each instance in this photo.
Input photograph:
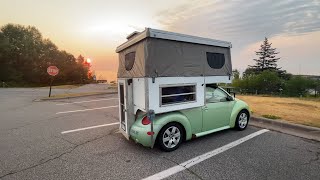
(229, 98)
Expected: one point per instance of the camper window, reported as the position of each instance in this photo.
(215, 60)
(129, 60)
(177, 94)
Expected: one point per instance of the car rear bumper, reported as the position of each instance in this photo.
(139, 134)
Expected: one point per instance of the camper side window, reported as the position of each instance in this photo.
(129, 60)
(215, 60)
(177, 94)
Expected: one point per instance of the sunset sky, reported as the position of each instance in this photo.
(94, 28)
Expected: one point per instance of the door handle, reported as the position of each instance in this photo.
(205, 108)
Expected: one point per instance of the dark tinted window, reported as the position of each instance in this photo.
(215, 60)
(129, 60)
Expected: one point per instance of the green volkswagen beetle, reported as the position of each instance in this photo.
(221, 111)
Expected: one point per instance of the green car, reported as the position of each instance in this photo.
(221, 111)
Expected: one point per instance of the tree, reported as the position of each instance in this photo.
(250, 71)
(315, 86)
(236, 74)
(298, 86)
(236, 79)
(268, 82)
(25, 56)
(80, 59)
(267, 59)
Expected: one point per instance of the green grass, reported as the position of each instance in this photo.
(270, 116)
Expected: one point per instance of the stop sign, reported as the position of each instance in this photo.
(52, 70)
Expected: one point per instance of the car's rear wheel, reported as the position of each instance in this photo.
(242, 120)
(170, 137)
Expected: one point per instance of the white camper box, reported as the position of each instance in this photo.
(164, 71)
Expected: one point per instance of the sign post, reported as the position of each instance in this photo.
(52, 71)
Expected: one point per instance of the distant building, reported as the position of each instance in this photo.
(102, 81)
(313, 77)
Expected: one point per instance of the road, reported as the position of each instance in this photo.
(78, 139)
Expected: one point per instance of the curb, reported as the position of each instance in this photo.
(303, 131)
(70, 97)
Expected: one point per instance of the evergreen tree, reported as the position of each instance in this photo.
(267, 59)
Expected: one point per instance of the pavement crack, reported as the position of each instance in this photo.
(188, 169)
(61, 138)
(194, 173)
(41, 162)
(53, 157)
(317, 154)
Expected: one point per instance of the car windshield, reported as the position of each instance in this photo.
(215, 94)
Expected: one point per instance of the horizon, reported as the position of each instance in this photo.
(292, 27)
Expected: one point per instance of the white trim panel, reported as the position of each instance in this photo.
(154, 93)
(217, 79)
(139, 94)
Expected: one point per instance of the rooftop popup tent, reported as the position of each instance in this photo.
(161, 71)
(155, 53)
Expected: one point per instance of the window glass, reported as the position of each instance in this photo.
(129, 60)
(177, 94)
(214, 94)
(215, 60)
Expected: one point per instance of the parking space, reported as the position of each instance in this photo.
(78, 138)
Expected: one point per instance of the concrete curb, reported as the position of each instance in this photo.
(307, 132)
(69, 97)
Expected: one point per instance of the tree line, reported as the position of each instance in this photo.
(25, 56)
(265, 77)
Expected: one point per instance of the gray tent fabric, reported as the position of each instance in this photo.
(168, 58)
(138, 69)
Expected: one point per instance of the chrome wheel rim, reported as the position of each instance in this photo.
(171, 137)
(243, 120)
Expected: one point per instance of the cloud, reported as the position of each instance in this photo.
(253, 20)
(246, 23)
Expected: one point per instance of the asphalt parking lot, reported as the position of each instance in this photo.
(79, 139)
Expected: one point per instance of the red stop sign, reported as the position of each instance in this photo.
(52, 70)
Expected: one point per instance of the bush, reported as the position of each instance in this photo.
(266, 82)
(270, 116)
(298, 86)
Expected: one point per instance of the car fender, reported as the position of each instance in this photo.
(163, 119)
(238, 106)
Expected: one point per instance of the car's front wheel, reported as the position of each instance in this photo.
(170, 137)
(242, 120)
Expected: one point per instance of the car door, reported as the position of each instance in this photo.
(217, 109)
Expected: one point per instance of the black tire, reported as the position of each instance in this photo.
(240, 123)
(164, 145)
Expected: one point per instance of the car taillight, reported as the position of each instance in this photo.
(145, 121)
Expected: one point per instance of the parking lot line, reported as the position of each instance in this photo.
(104, 99)
(91, 127)
(81, 110)
(198, 159)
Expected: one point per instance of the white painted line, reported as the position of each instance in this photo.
(104, 99)
(81, 110)
(198, 159)
(91, 127)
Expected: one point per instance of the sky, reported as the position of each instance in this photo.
(94, 28)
